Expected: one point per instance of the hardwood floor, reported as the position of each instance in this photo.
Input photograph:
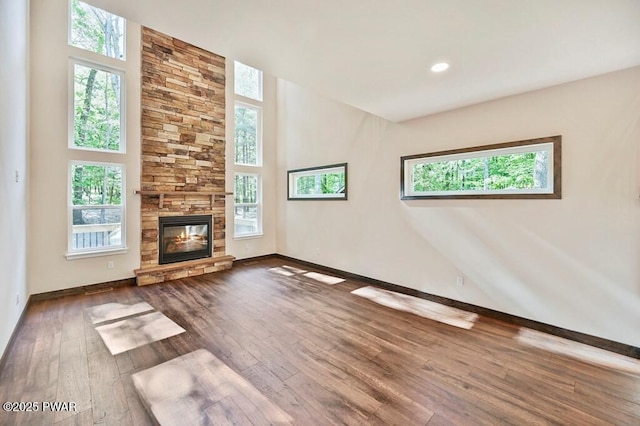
(316, 352)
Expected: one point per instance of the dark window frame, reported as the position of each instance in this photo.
(556, 141)
(342, 196)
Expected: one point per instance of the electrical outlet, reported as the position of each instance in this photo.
(17, 176)
(17, 298)
(110, 264)
(460, 281)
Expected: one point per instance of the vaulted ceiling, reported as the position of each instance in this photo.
(376, 54)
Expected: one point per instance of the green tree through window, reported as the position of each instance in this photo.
(514, 171)
(96, 193)
(96, 30)
(97, 116)
(520, 169)
(246, 135)
(326, 182)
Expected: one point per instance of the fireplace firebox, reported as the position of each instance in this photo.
(184, 238)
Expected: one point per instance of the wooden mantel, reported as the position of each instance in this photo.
(161, 194)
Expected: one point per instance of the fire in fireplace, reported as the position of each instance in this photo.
(184, 238)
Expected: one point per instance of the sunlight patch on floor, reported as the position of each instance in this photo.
(580, 351)
(325, 279)
(290, 271)
(281, 271)
(417, 306)
(200, 389)
(111, 311)
(134, 332)
(294, 270)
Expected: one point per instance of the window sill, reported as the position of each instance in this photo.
(87, 254)
(248, 237)
(253, 166)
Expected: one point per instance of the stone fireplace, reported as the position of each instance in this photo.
(183, 158)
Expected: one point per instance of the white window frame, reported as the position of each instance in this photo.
(71, 106)
(95, 251)
(250, 169)
(549, 145)
(88, 156)
(258, 109)
(257, 204)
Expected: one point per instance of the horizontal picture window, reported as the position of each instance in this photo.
(523, 169)
(318, 183)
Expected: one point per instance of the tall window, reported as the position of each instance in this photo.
(96, 123)
(247, 150)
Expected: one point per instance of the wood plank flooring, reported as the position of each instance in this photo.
(316, 352)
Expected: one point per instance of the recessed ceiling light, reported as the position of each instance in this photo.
(439, 67)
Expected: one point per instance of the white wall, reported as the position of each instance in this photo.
(49, 159)
(572, 263)
(14, 74)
